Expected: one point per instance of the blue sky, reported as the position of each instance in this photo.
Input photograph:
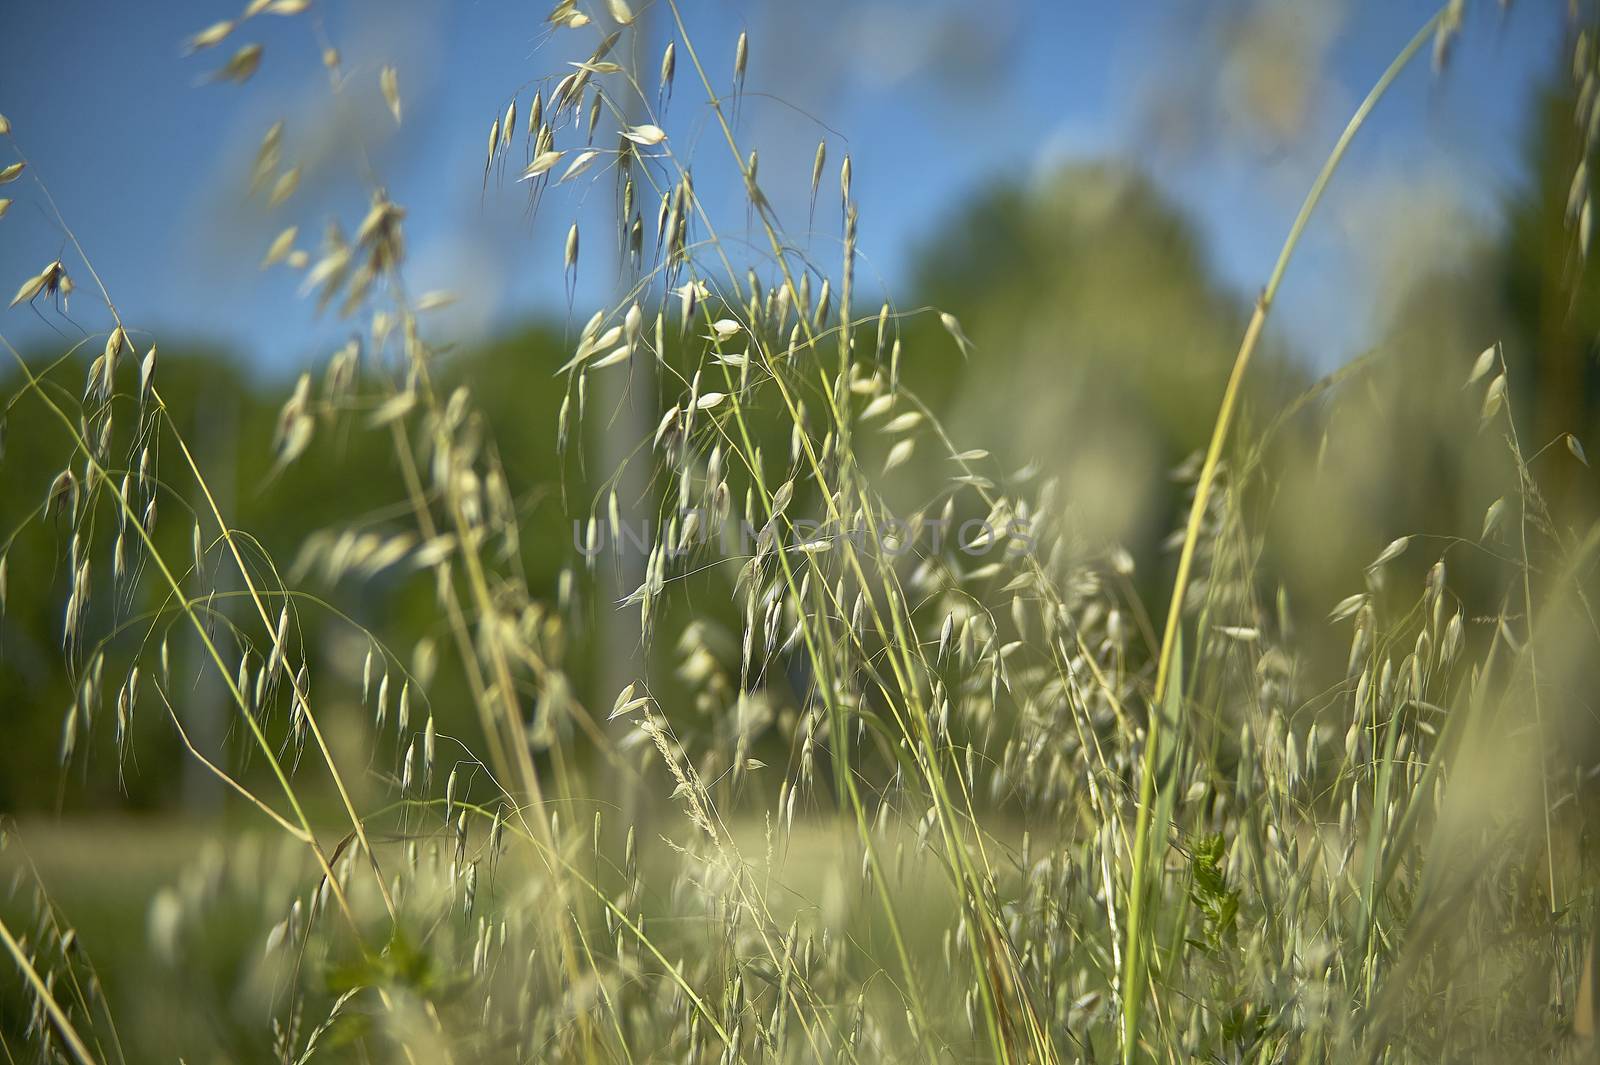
(933, 100)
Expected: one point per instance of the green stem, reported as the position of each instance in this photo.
(1132, 977)
(69, 1034)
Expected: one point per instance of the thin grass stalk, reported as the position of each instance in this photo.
(244, 572)
(239, 698)
(902, 641)
(1133, 975)
(64, 1028)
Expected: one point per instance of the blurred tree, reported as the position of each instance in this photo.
(1103, 342)
(1551, 293)
(347, 481)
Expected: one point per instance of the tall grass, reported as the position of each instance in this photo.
(918, 785)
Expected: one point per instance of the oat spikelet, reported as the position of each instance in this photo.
(209, 37)
(669, 67)
(280, 247)
(646, 135)
(389, 83)
(241, 66)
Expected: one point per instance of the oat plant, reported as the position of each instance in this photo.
(914, 775)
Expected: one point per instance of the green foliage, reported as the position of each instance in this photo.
(1208, 890)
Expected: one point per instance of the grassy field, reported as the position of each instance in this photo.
(917, 770)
